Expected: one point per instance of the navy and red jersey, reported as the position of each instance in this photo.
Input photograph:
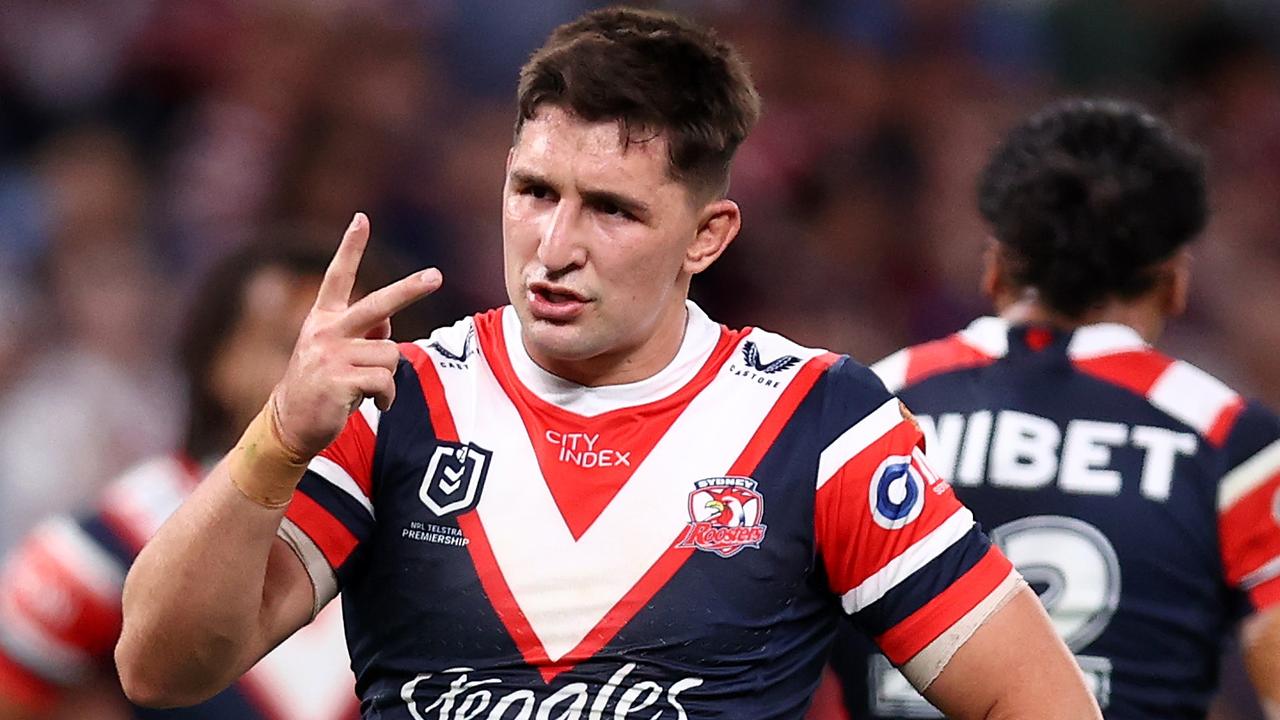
(60, 613)
(1136, 493)
(512, 545)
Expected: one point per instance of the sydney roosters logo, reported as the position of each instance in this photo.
(725, 515)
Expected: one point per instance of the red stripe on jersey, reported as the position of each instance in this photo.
(1135, 370)
(81, 618)
(508, 610)
(1248, 533)
(853, 546)
(432, 390)
(581, 482)
(901, 642)
(671, 561)
(940, 356)
(333, 538)
(1222, 425)
(28, 691)
(353, 451)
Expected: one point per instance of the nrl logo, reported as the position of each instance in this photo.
(725, 514)
(454, 477)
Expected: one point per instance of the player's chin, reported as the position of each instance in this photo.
(563, 341)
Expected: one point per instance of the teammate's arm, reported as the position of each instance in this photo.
(1013, 666)
(216, 589)
(13, 711)
(1260, 637)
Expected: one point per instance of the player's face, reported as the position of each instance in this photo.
(253, 358)
(597, 241)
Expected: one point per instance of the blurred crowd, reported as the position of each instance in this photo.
(142, 139)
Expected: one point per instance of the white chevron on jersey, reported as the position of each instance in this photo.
(566, 587)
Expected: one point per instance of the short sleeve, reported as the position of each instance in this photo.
(1249, 506)
(332, 512)
(909, 563)
(60, 609)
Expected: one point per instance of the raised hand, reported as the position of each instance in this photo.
(344, 352)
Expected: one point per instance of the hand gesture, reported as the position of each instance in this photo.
(344, 351)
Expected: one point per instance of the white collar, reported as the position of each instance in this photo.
(700, 337)
(991, 336)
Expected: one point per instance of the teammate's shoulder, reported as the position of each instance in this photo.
(143, 497)
(984, 341)
(1177, 388)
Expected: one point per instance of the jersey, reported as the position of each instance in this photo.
(1137, 494)
(60, 613)
(512, 545)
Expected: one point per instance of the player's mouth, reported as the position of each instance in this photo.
(555, 303)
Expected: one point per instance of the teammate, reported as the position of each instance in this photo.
(595, 502)
(1134, 491)
(60, 591)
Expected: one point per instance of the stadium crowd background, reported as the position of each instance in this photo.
(140, 139)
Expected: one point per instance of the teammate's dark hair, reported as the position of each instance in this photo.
(215, 310)
(1087, 196)
(654, 73)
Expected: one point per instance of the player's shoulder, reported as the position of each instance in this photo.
(455, 342)
(847, 390)
(981, 343)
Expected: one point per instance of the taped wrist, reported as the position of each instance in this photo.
(262, 465)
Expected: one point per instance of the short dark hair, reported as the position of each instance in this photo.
(654, 73)
(1086, 196)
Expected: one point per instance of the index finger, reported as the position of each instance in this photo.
(340, 277)
(378, 306)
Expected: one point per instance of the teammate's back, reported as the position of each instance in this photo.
(1135, 492)
(1132, 490)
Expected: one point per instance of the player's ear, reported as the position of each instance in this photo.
(993, 283)
(1175, 283)
(718, 224)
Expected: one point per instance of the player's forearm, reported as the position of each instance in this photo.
(195, 610)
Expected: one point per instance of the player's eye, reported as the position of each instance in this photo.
(537, 192)
(611, 209)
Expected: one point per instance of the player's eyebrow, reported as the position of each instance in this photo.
(632, 206)
(521, 177)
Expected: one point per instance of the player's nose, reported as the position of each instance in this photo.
(561, 245)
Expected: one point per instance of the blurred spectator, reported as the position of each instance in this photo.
(97, 391)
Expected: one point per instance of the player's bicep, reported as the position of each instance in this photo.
(990, 676)
(288, 599)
